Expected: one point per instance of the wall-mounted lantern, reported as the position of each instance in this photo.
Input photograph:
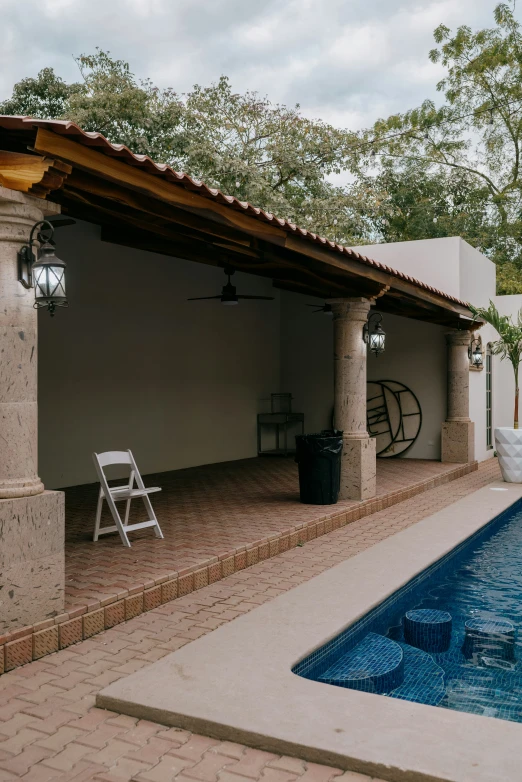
(475, 353)
(46, 274)
(373, 334)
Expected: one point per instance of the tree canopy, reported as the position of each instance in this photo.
(436, 170)
(471, 142)
(262, 152)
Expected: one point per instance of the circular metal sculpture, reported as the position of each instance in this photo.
(394, 416)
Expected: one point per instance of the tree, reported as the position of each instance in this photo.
(265, 153)
(430, 172)
(509, 344)
(421, 205)
(475, 134)
(46, 96)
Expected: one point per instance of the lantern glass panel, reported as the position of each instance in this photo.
(377, 341)
(49, 282)
(477, 357)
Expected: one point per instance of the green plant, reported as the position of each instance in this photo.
(509, 344)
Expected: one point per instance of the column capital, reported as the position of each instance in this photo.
(351, 308)
(16, 197)
(19, 212)
(458, 337)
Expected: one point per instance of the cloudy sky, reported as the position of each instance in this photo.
(347, 61)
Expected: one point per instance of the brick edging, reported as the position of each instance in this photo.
(22, 646)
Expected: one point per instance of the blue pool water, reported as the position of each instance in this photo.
(480, 585)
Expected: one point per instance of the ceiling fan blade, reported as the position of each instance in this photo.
(204, 298)
(260, 298)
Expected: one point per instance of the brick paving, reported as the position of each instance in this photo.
(206, 514)
(51, 731)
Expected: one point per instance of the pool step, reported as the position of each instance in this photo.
(476, 698)
(424, 680)
(428, 629)
(490, 638)
(376, 665)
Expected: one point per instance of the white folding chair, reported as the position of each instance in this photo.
(128, 492)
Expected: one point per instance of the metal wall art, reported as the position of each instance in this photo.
(394, 416)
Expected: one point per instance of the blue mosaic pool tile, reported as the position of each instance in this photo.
(375, 665)
(391, 611)
(428, 629)
(423, 679)
(463, 584)
(493, 638)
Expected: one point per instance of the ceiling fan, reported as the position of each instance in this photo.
(326, 308)
(228, 293)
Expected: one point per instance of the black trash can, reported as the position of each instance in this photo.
(319, 460)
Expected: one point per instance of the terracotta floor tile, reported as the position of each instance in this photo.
(100, 746)
(204, 512)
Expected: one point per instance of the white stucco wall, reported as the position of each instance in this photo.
(477, 276)
(503, 378)
(307, 359)
(434, 261)
(453, 266)
(132, 364)
(478, 285)
(415, 357)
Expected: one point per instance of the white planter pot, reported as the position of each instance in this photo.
(508, 443)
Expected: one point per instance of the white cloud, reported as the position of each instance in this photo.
(347, 62)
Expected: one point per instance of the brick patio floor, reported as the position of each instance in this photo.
(205, 513)
(50, 730)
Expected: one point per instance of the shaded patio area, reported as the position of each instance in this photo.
(217, 519)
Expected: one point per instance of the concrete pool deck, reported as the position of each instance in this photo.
(236, 683)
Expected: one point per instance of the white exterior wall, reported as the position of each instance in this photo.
(503, 378)
(132, 364)
(434, 261)
(478, 285)
(453, 266)
(415, 357)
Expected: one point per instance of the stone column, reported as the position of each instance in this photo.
(458, 431)
(359, 461)
(31, 520)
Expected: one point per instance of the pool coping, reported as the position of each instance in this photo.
(236, 683)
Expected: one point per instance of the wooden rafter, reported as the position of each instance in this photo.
(159, 212)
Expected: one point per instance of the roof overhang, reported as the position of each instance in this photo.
(143, 205)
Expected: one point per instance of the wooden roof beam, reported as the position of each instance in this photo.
(32, 174)
(88, 183)
(342, 261)
(108, 168)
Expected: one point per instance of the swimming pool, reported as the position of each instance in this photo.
(478, 668)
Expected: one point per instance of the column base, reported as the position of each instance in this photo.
(358, 469)
(458, 442)
(32, 564)
(14, 489)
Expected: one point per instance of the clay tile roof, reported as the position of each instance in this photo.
(93, 139)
